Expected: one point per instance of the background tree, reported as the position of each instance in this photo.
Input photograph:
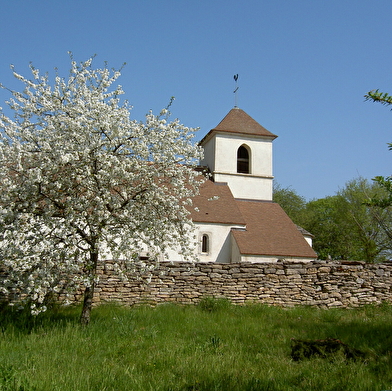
(344, 226)
(364, 223)
(291, 202)
(322, 222)
(81, 182)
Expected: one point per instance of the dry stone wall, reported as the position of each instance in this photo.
(319, 283)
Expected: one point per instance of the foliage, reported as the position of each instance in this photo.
(380, 97)
(292, 203)
(212, 304)
(385, 201)
(345, 226)
(186, 348)
(322, 222)
(367, 224)
(81, 182)
(386, 182)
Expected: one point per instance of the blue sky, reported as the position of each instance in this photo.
(303, 65)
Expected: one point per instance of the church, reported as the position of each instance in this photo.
(235, 217)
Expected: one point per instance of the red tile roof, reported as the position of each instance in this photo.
(237, 121)
(269, 231)
(216, 204)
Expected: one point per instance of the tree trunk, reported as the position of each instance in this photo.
(87, 305)
(89, 290)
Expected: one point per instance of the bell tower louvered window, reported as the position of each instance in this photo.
(243, 166)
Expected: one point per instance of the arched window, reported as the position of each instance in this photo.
(205, 244)
(243, 160)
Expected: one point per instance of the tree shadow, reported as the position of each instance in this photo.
(20, 319)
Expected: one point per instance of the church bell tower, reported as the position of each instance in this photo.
(238, 151)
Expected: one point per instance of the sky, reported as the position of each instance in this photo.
(303, 65)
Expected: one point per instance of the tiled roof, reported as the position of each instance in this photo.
(216, 204)
(237, 121)
(269, 231)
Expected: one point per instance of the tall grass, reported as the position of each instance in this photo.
(212, 346)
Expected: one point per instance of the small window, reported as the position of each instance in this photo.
(205, 244)
(243, 160)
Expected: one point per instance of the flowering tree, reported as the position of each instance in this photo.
(81, 181)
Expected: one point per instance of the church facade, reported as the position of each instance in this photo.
(235, 217)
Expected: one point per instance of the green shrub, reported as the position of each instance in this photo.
(212, 304)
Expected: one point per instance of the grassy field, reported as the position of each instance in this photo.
(212, 346)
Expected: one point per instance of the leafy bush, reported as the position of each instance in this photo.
(212, 304)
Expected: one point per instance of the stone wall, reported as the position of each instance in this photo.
(319, 283)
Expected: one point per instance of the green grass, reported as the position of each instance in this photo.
(213, 346)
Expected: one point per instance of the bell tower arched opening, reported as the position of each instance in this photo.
(243, 160)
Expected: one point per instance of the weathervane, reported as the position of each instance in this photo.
(236, 89)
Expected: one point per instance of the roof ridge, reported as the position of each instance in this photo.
(237, 121)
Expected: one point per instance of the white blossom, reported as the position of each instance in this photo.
(81, 180)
